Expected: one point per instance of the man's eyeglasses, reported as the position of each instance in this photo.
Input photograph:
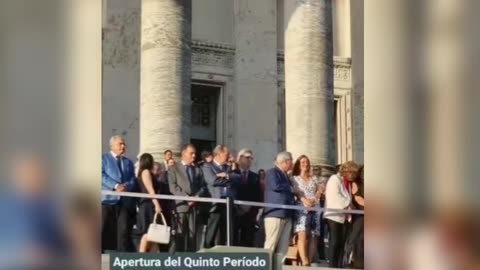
(248, 157)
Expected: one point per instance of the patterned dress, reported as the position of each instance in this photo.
(307, 221)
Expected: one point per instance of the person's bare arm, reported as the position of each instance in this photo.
(300, 194)
(359, 199)
(296, 190)
(147, 182)
(320, 188)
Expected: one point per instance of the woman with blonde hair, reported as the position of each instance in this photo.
(307, 223)
(337, 197)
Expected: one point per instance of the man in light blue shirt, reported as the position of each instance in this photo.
(118, 173)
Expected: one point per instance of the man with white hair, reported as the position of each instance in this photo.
(248, 190)
(278, 190)
(118, 173)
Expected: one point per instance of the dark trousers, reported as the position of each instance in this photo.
(259, 240)
(117, 223)
(244, 229)
(347, 232)
(216, 225)
(356, 241)
(321, 249)
(336, 243)
(189, 228)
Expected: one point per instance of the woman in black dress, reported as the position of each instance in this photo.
(147, 207)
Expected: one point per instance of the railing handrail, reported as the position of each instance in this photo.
(236, 202)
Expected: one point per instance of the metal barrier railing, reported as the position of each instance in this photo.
(230, 203)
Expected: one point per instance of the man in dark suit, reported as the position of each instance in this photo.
(248, 190)
(278, 190)
(118, 173)
(221, 183)
(185, 179)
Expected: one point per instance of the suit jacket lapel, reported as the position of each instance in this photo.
(251, 178)
(283, 176)
(122, 165)
(217, 169)
(183, 174)
(115, 165)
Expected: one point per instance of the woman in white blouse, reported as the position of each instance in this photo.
(338, 197)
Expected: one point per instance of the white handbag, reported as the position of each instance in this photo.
(159, 233)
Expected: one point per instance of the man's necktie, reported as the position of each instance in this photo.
(225, 190)
(245, 177)
(119, 164)
(190, 173)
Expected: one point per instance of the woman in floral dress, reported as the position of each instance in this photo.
(307, 223)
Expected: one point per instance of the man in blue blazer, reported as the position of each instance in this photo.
(278, 190)
(222, 182)
(118, 213)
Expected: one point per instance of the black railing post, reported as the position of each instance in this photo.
(229, 206)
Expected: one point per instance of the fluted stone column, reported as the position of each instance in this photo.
(255, 73)
(165, 75)
(309, 83)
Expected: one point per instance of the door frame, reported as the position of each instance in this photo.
(344, 138)
(219, 136)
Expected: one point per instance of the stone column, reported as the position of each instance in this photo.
(83, 89)
(357, 68)
(256, 90)
(165, 75)
(309, 83)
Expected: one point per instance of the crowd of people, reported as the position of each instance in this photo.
(219, 174)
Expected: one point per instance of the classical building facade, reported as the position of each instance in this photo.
(264, 74)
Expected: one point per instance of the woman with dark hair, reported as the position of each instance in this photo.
(147, 207)
(307, 223)
(207, 157)
(261, 176)
(259, 226)
(356, 237)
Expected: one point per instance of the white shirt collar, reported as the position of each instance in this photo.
(280, 169)
(113, 154)
(184, 163)
(216, 163)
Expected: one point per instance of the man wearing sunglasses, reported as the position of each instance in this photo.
(248, 190)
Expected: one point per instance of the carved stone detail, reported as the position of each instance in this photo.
(341, 70)
(341, 73)
(212, 54)
(121, 40)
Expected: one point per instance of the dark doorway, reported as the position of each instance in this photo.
(205, 99)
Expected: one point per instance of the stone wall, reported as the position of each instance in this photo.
(212, 60)
(121, 73)
(357, 79)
